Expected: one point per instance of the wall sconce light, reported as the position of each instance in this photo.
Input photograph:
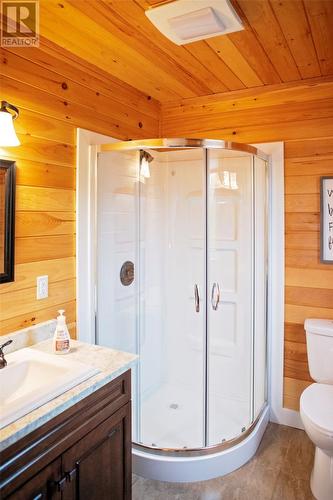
(8, 135)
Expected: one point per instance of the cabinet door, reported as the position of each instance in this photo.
(44, 486)
(98, 467)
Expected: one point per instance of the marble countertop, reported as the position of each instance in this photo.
(109, 362)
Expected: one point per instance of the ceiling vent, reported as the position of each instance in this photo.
(185, 21)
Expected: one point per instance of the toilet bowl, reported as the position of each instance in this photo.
(316, 405)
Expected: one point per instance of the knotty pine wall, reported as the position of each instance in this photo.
(308, 283)
(301, 116)
(55, 95)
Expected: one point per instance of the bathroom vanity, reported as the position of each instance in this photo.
(80, 445)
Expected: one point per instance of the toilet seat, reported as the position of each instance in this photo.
(316, 404)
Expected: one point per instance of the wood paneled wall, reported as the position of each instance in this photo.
(273, 113)
(55, 95)
(302, 116)
(309, 284)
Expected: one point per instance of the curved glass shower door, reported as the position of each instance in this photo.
(230, 293)
(172, 321)
(181, 281)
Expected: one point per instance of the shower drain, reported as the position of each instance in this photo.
(174, 406)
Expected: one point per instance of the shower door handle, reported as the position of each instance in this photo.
(196, 298)
(215, 299)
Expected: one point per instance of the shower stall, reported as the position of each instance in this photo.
(182, 281)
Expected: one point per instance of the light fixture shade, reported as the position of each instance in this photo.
(144, 169)
(8, 135)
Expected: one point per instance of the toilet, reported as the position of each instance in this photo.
(316, 404)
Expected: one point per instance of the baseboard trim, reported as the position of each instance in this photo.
(285, 416)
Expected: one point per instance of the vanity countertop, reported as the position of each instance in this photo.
(109, 362)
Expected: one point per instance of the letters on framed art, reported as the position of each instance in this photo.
(326, 220)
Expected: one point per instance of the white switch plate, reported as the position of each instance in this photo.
(42, 287)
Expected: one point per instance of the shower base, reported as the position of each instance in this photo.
(164, 466)
(180, 415)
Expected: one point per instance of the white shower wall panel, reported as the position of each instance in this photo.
(260, 303)
(152, 281)
(116, 243)
(185, 268)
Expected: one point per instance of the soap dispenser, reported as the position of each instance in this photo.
(61, 339)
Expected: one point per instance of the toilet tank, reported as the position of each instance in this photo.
(319, 342)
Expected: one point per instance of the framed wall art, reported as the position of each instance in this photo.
(326, 220)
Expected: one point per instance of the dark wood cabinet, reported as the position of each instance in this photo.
(101, 450)
(82, 454)
(42, 486)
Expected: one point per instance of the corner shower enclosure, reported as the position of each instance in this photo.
(181, 281)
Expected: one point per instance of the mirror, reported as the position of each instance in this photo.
(7, 220)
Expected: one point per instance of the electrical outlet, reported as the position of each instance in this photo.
(42, 287)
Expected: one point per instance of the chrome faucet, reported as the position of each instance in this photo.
(3, 362)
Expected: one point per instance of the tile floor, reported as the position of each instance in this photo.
(280, 470)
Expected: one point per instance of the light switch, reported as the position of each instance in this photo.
(42, 287)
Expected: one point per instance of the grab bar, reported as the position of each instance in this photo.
(215, 299)
(196, 298)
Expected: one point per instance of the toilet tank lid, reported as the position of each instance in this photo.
(319, 326)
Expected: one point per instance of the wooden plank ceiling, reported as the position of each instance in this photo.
(283, 41)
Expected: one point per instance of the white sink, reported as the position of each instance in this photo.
(32, 378)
